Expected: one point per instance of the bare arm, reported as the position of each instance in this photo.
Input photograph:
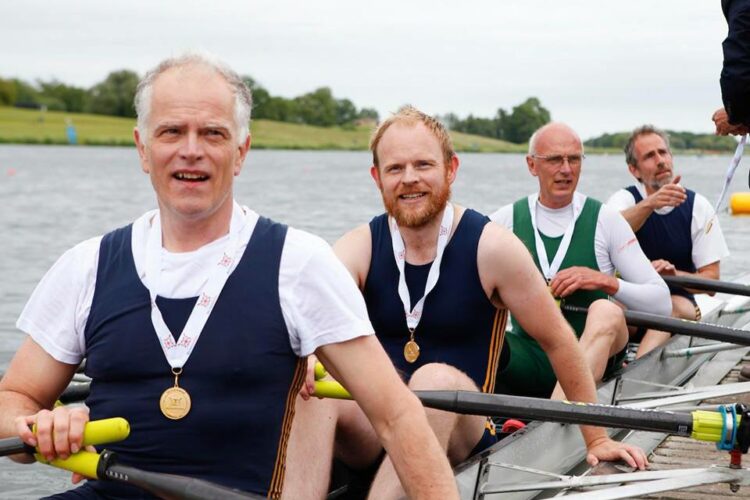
(709, 271)
(396, 414)
(354, 249)
(509, 274)
(28, 391)
(669, 195)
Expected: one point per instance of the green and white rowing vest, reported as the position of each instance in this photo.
(581, 252)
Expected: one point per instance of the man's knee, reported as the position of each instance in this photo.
(440, 376)
(605, 318)
(682, 307)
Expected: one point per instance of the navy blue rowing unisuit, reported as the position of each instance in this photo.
(459, 324)
(669, 237)
(242, 376)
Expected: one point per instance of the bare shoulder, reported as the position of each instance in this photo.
(496, 240)
(502, 259)
(354, 249)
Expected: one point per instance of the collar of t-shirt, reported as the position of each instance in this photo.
(184, 273)
(553, 222)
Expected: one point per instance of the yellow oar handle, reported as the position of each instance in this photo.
(320, 370)
(108, 430)
(709, 425)
(328, 388)
(83, 462)
(331, 389)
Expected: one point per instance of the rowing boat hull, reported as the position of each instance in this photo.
(559, 449)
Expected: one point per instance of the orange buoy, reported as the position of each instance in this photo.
(739, 203)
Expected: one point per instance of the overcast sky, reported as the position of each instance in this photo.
(600, 65)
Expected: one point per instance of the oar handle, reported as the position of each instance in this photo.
(328, 388)
(108, 430)
(320, 371)
(331, 389)
(84, 462)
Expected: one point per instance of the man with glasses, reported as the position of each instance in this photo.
(577, 243)
(676, 227)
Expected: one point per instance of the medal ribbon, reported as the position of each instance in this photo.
(733, 164)
(399, 252)
(178, 352)
(550, 270)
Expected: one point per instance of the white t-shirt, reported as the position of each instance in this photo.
(707, 247)
(320, 301)
(616, 248)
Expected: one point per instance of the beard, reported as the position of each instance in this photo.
(658, 183)
(415, 218)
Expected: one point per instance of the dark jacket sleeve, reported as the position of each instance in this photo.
(735, 75)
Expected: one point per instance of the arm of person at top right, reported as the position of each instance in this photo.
(506, 267)
(636, 214)
(734, 117)
(28, 391)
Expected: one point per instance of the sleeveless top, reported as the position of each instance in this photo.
(669, 237)
(459, 325)
(242, 376)
(581, 252)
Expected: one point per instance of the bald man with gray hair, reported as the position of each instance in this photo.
(577, 243)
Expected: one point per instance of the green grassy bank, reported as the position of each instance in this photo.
(23, 126)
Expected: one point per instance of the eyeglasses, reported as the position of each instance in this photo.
(558, 160)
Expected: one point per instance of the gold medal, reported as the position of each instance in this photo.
(175, 401)
(411, 351)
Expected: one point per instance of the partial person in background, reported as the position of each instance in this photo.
(577, 244)
(676, 227)
(261, 297)
(734, 117)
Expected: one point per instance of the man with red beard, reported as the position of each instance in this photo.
(438, 280)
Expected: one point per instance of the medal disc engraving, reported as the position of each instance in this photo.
(411, 351)
(175, 403)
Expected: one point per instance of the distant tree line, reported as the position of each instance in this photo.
(114, 97)
(677, 141)
(516, 126)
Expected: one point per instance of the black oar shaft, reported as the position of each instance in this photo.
(14, 445)
(174, 486)
(501, 405)
(708, 285)
(75, 392)
(681, 326)
(165, 485)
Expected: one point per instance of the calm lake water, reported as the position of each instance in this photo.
(54, 197)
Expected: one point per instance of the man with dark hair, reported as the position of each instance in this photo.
(676, 227)
(261, 297)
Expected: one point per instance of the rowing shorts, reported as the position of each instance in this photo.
(529, 372)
